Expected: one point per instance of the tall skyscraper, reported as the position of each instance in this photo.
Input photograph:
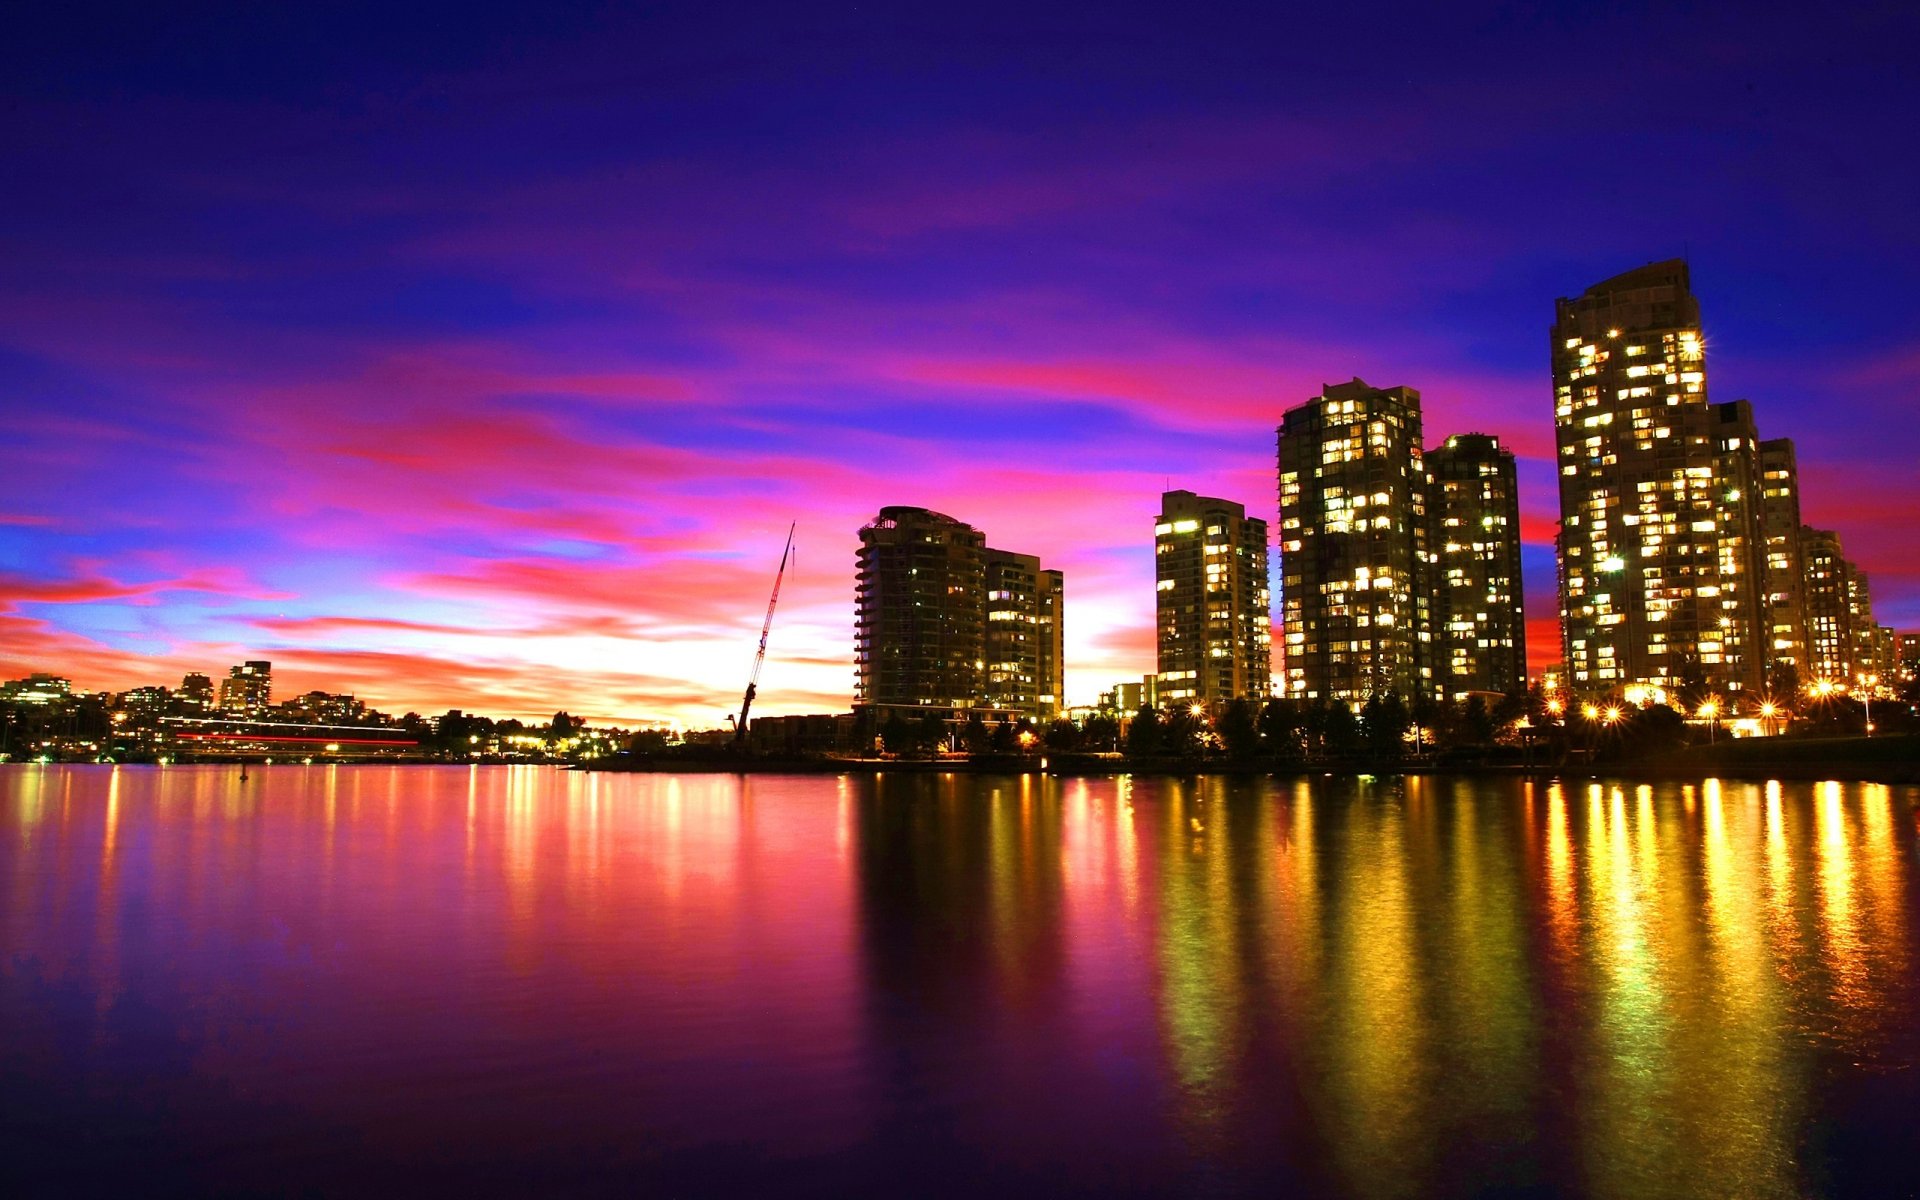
(1215, 635)
(1659, 538)
(1356, 592)
(920, 611)
(1480, 611)
(1023, 660)
(247, 689)
(1784, 608)
(947, 622)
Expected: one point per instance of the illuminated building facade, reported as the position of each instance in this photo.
(1841, 635)
(1784, 608)
(946, 622)
(195, 691)
(1479, 608)
(1212, 602)
(248, 688)
(1659, 543)
(1906, 655)
(920, 611)
(1356, 592)
(38, 688)
(1023, 650)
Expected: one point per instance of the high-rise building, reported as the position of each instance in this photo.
(1659, 541)
(919, 607)
(1480, 613)
(1212, 602)
(196, 690)
(1906, 653)
(1784, 573)
(1051, 667)
(1356, 595)
(947, 622)
(1866, 649)
(1839, 612)
(248, 688)
(1023, 659)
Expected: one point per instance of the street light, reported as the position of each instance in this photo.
(1867, 684)
(1709, 711)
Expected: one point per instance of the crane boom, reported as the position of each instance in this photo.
(766, 627)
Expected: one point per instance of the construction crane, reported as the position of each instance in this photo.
(753, 681)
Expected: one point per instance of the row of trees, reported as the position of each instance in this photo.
(1389, 726)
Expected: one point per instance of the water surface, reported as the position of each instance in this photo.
(394, 980)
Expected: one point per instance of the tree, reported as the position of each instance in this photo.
(932, 732)
(1143, 735)
(1281, 727)
(1783, 680)
(1101, 732)
(975, 736)
(895, 733)
(1006, 739)
(1477, 722)
(1062, 736)
(1240, 729)
(1339, 727)
(1180, 733)
(648, 741)
(1384, 720)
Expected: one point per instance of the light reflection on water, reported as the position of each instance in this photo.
(522, 978)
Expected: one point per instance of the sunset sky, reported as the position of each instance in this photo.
(480, 359)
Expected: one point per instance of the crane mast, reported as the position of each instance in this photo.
(766, 627)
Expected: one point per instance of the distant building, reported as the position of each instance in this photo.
(1356, 593)
(1479, 614)
(815, 733)
(248, 688)
(1131, 697)
(1214, 615)
(1023, 651)
(1906, 652)
(37, 689)
(1659, 544)
(1838, 611)
(1784, 592)
(145, 700)
(945, 622)
(195, 691)
(326, 708)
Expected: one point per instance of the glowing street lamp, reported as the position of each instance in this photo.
(1709, 712)
(1867, 684)
(1768, 710)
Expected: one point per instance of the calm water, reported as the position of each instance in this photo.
(356, 980)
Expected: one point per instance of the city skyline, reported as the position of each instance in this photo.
(323, 382)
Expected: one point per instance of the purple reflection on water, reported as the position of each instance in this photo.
(503, 980)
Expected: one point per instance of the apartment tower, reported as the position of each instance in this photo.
(1023, 652)
(1783, 579)
(247, 689)
(1356, 594)
(1659, 538)
(1479, 613)
(920, 612)
(1215, 636)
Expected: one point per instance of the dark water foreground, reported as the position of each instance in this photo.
(519, 981)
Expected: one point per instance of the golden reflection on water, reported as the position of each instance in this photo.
(1425, 969)
(1374, 1026)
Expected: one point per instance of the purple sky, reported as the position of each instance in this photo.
(482, 359)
